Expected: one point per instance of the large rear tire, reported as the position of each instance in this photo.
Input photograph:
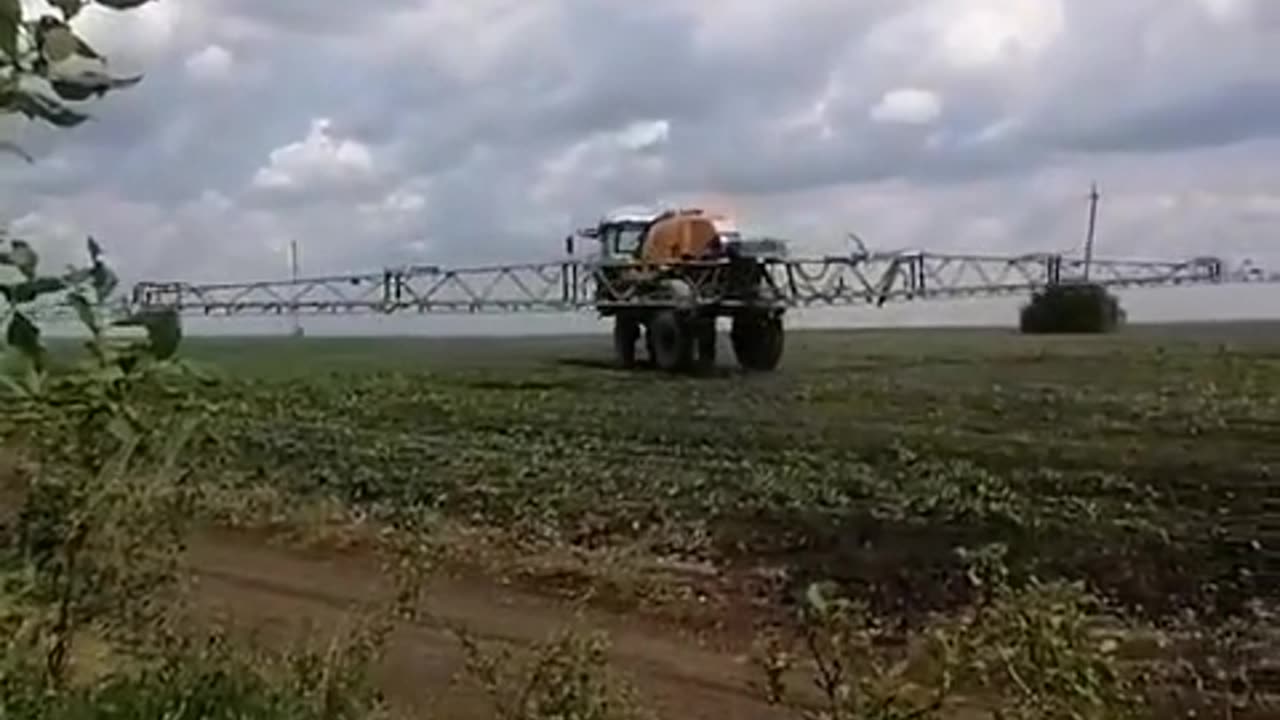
(704, 334)
(758, 342)
(626, 332)
(672, 342)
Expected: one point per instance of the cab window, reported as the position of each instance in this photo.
(628, 240)
(622, 240)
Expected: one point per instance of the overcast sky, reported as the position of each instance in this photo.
(389, 131)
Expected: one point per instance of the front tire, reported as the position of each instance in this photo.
(672, 342)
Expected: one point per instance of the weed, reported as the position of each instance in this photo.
(860, 669)
(1019, 653)
(208, 678)
(567, 676)
(95, 540)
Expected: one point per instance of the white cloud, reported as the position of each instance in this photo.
(626, 155)
(969, 35)
(213, 64)
(405, 201)
(977, 33)
(1228, 11)
(471, 40)
(61, 238)
(644, 135)
(142, 35)
(317, 162)
(908, 106)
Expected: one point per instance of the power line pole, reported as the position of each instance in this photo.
(1093, 221)
(296, 330)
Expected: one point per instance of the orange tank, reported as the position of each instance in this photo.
(681, 237)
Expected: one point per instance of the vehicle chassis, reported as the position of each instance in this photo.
(675, 307)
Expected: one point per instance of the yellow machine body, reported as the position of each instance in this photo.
(681, 237)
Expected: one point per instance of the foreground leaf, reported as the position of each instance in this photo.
(25, 292)
(39, 107)
(84, 310)
(104, 280)
(72, 92)
(16, 149)
(76, 276)
(24, 257)
(23, 335)
(20, 374)
(10, 21)
(122, 4)
(56, 41)
(87, 84)
(69, 8)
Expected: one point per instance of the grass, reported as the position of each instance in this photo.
(1138, 461)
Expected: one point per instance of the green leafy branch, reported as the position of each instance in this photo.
(90, 545)
(44, 64)
(86, 290)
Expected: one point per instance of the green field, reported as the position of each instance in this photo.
(1141, 461)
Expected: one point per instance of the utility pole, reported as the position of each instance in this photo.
(296, 329)
(1093, 221)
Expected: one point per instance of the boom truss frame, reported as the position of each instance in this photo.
(578, 284)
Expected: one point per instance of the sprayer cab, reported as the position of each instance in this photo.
(619, 234)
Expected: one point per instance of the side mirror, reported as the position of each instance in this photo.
(591, 232)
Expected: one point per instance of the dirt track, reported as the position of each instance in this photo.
(255, 583)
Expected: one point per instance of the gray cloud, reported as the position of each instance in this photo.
(487, 130)
(1220, 115)
(306, 17)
